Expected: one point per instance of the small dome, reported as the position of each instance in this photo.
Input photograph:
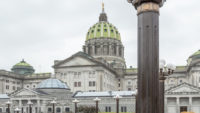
(103, 29)
(23, 68)
(52, 84)
(194, 57)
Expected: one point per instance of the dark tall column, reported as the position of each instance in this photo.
(75, 107)
(53, 108)
(97, 107)
(117, 105)
(8, 108)
(148, 55)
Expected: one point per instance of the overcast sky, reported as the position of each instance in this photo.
(41, 31)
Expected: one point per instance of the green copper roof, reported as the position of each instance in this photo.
(196, 53)
(103, 29)
(22, 63)
(23, 68)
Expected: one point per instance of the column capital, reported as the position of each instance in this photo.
(137, 3)
(148, 6)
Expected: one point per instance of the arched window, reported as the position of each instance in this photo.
(58, 110)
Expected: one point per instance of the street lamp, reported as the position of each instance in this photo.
(165, 70)
(17, 110)
(30, 108)
(8, 103)
(75, 102)
(117, 97)
(97, 102)
(53, 102)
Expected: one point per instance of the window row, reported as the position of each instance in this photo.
(77, 84)
(108, 109)
(58, 109)
(7, 81)
(92, 83)
(13, 88)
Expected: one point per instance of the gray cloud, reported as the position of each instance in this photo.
(41, 31)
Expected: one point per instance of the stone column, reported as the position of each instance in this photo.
(165, 106)
(93, 49)
(101, 46)
(86, 49)
(38, 106)
(122, 50)
(190, 104)
(110, 49)
(148, 55)
(117, 50)
(20, 103)
(177, 105)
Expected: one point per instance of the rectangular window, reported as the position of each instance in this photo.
(13, 87)
(7, 81)
(108, 109)
(49, 109)
(67, 109)
(92, 83)
(119, 85)
(123, 109)
(7, 87)
(183, 109)
(129, 89)
(79, 84)
(75, 84)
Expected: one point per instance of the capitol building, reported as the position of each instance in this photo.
(99, 70)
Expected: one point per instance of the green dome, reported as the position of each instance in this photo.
(196, 53)
(103, 30)
(23, 68)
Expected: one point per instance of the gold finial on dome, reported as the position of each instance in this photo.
(102, 7)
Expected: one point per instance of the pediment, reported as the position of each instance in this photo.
(25, 93)
(184, 88)
(78, 59)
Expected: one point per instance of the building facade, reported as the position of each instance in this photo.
(100, 67)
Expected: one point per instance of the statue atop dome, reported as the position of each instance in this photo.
(103, 16)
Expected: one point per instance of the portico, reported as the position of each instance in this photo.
(184, 97)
